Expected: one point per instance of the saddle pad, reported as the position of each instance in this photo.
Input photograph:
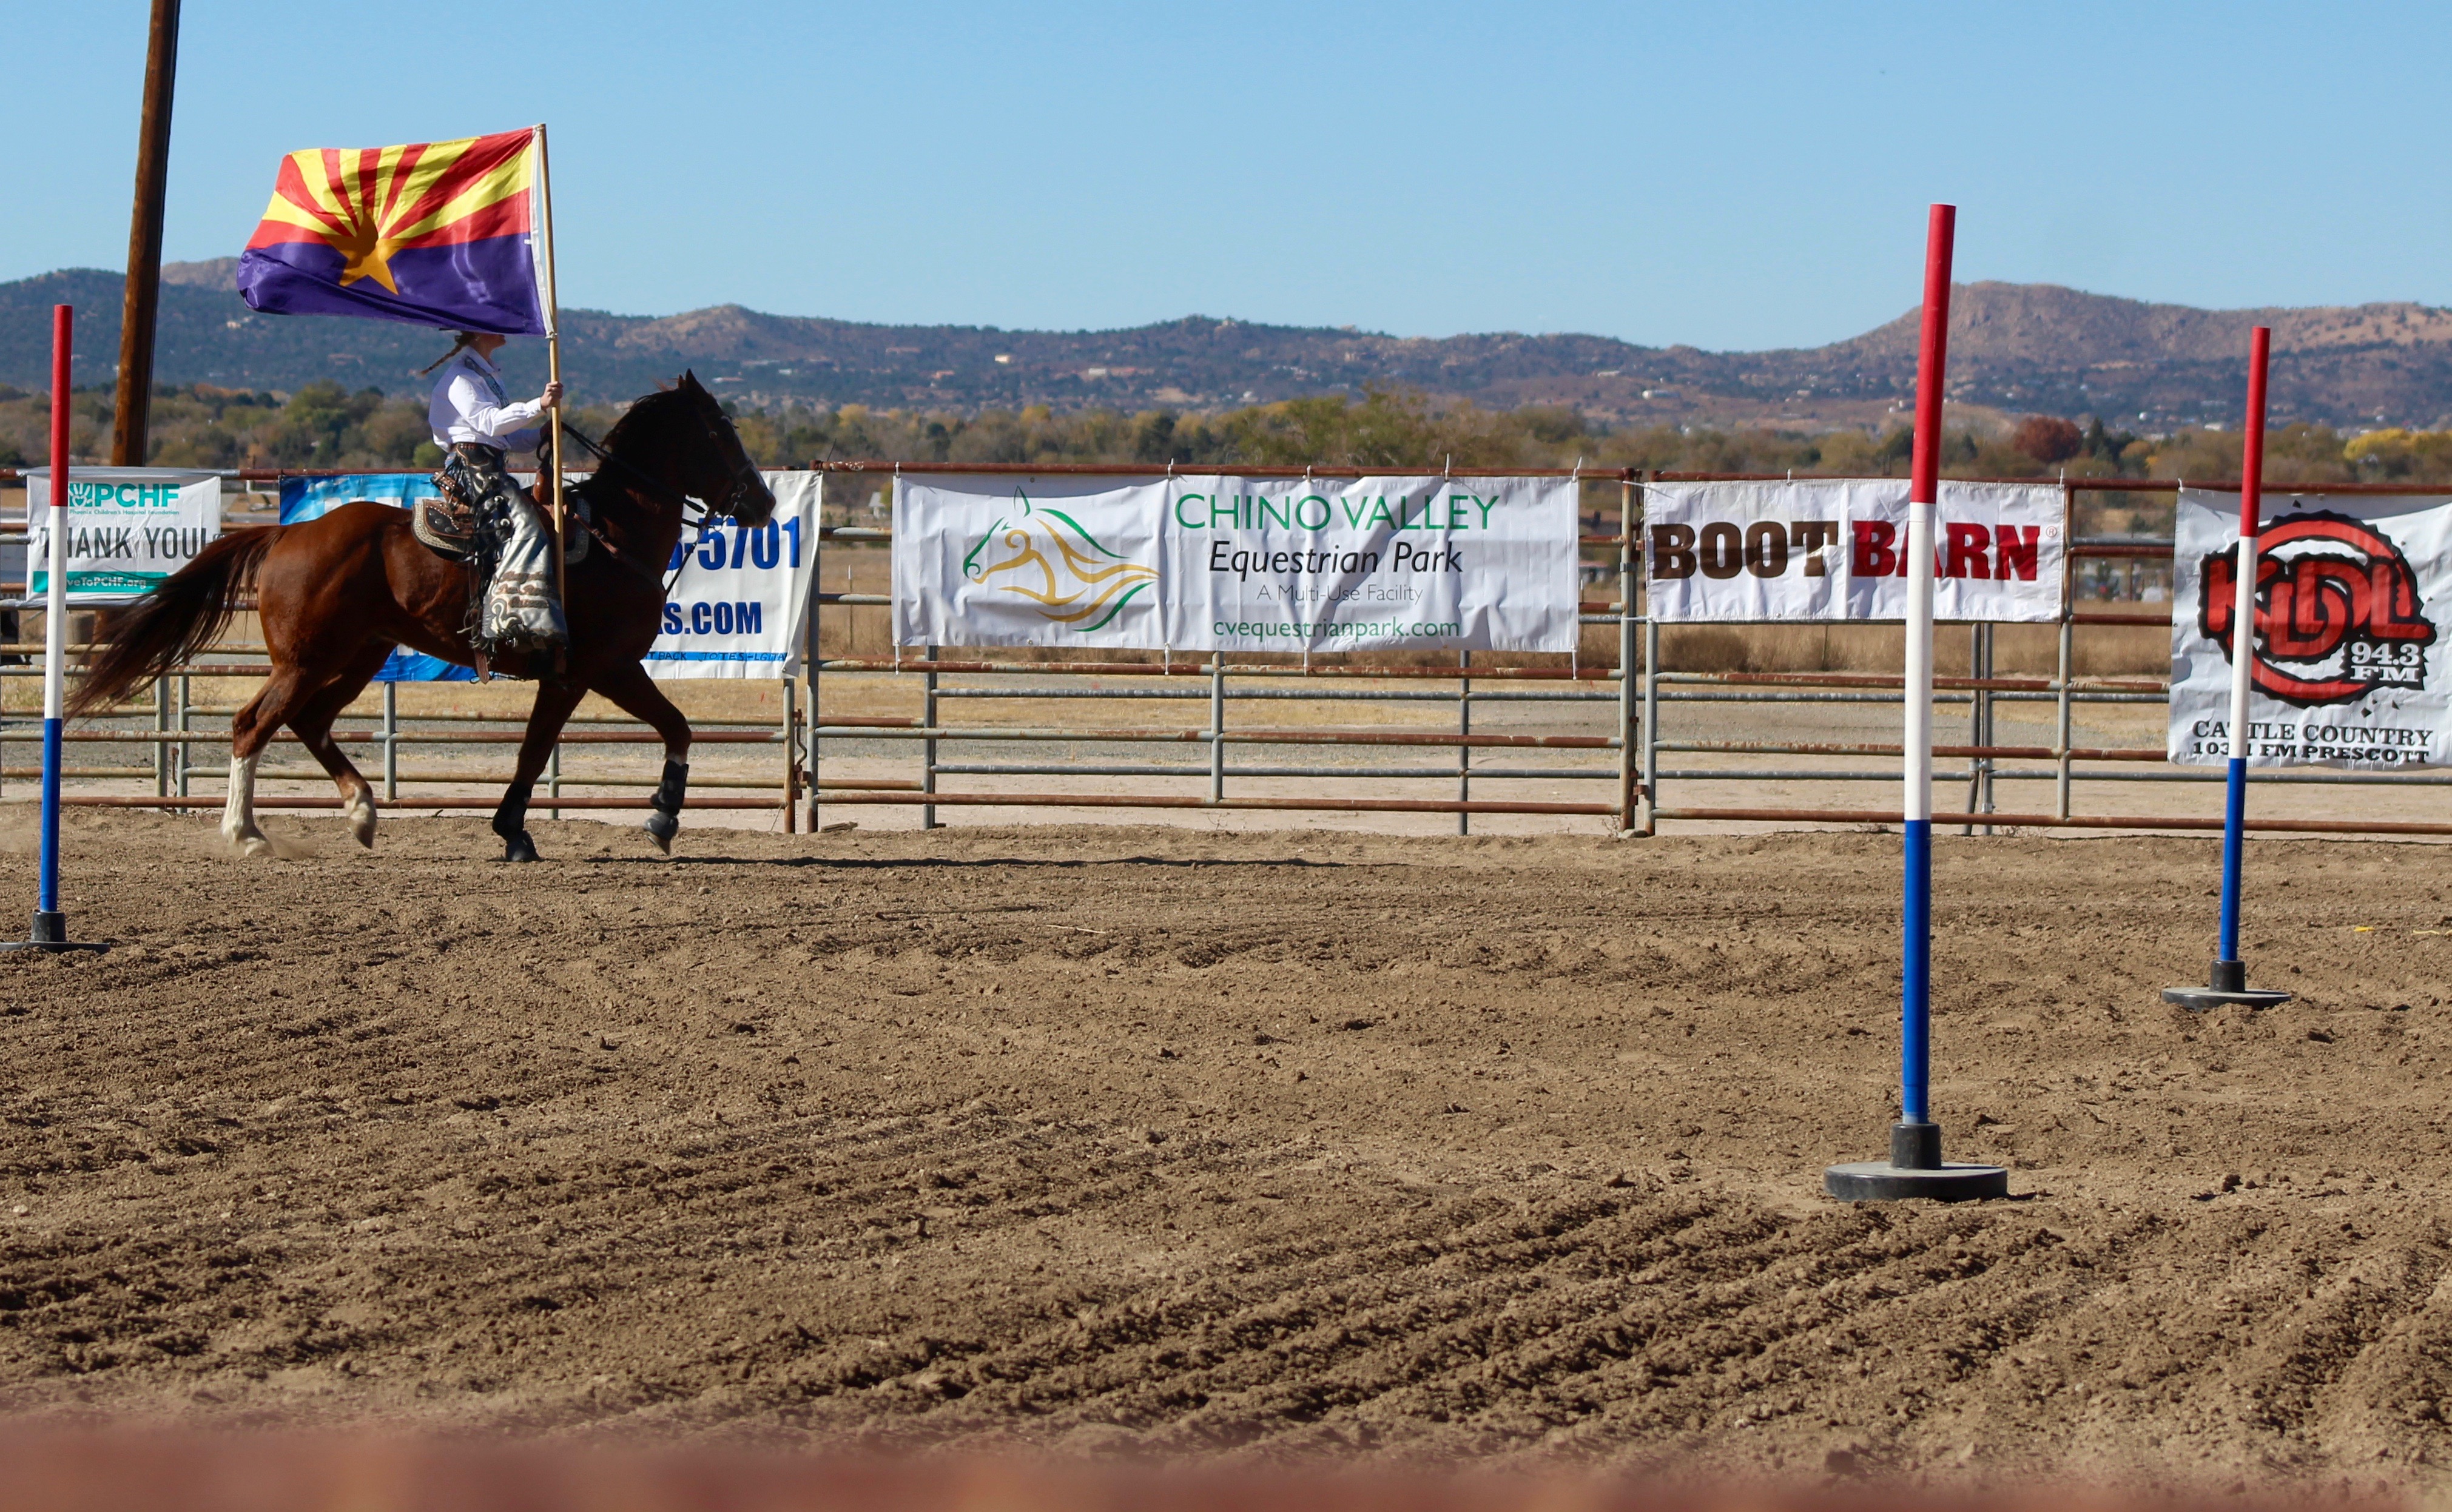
(433, 522)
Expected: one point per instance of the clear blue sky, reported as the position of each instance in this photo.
(1726, 174)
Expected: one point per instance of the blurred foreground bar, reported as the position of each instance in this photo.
(126, 1470)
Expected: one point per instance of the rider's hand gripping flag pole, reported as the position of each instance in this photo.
(2229, 983)
(1915, 1168)
(50, 932)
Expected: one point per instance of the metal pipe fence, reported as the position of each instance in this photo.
(1633, 745)
(177, 735)
(1599, 722)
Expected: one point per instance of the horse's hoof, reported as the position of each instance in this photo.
(519, 848)
(662, 827)
(361, 822)
(249, 844)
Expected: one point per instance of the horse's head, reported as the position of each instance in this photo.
(720, 471)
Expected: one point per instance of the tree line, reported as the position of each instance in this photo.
(324, 424)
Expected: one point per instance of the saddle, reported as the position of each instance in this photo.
(450, 524)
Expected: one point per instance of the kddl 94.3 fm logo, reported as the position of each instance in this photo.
(2338, 612)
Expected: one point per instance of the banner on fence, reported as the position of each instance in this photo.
(735, 610)
(128, 528)
(1218, 563)
(1833, 548)
(2353, 596)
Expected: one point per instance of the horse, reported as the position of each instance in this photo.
(337, 593)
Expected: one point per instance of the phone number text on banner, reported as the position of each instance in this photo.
(1835, 548)
(1226, 563)
(737, 609)
(2353, 596)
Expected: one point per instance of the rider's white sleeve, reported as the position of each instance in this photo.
(476, 416)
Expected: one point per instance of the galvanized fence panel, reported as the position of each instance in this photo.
(1483, 763)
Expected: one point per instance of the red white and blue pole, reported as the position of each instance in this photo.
(55, 631)
(1915, 970)
(1915, 1168)
(2229, 979)
(50, 925)
(2243, 637)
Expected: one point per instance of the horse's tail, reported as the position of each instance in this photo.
(177, 619)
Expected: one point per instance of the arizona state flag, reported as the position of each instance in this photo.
(434, 233)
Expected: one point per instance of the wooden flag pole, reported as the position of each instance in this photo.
(552, 352)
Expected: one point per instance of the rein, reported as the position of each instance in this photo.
(656, 487)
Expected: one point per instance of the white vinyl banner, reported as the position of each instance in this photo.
(128, 528)
(2352, 592)
(737, 609)
(1830, 548)
(1227, 563)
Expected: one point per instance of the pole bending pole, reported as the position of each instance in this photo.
(2243, 635)
(2228, 982)
(55, 630)
(50, 925)
(1916, 1167)
(1915, 970)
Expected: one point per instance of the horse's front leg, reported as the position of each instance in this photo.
(636, 693)
(554, 701)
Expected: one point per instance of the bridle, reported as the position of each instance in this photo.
(742, 476)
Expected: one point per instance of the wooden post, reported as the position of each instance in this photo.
(144, 292)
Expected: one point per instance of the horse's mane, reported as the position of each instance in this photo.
(638, 426)
(643, 414)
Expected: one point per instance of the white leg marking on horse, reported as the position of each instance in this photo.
(238, 814)
(361, 812)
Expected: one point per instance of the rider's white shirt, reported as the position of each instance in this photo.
(469, 405)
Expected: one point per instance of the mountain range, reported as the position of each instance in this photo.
(2017, 348)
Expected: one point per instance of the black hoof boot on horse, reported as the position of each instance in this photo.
(510, 822)
(665, 810)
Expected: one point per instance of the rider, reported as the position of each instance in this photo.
(477, 425)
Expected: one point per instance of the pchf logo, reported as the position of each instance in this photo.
(2337, 611)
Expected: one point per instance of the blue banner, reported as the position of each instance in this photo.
(305, 498)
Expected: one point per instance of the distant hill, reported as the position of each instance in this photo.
(2013, 346)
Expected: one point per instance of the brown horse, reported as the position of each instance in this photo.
(336, 593)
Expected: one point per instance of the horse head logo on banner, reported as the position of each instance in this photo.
(2338, 614)
(1049, 557)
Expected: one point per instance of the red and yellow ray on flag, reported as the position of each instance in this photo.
(369, 203)
(437, 233)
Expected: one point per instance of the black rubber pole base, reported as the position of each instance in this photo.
(1915, 1168)
(50, 932)
(2226, 984)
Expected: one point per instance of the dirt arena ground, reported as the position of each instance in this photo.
(1105, 1139)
